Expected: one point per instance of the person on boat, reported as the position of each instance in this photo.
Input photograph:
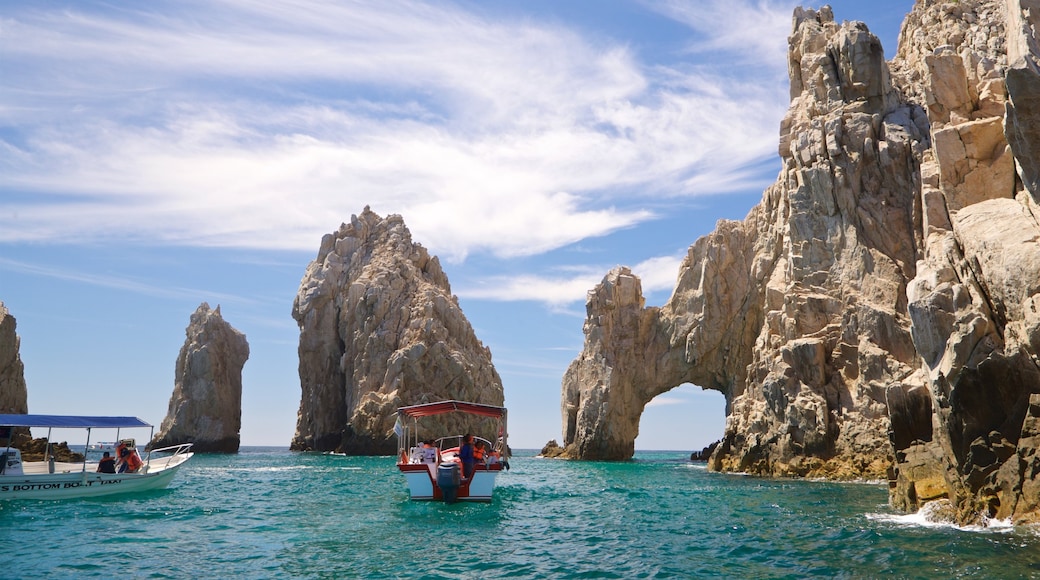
(478, 452)
(430, 453)
(469, 462)
(121, 450)
(107, 463)
(129, 460)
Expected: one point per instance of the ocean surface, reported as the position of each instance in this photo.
(269, 513)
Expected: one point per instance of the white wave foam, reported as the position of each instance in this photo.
(697, 466)
(926, 518)
(278, 469)
(262, 469)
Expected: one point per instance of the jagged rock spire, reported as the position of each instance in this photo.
(380, 329)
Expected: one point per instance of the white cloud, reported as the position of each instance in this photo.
(572, 284)
(266, 124)
(752, 30)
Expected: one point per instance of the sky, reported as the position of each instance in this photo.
(154, 156)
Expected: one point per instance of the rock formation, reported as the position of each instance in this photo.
(380, 329)
(206, 404)
(14, 399)
(975, 301)
(878, 313)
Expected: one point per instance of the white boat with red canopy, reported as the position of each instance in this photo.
(436, 474)
(51, 479)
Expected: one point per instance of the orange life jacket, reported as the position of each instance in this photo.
(133, 461)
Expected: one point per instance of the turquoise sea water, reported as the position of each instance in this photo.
(269, 513)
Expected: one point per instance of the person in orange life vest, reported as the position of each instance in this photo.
(478, 451)
(107, 463)
(120, 455)
(129, 460)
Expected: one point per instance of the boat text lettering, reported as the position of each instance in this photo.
(45, 486)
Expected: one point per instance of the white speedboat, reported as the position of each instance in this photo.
(102, 446)
(437, 474)
(50, 479)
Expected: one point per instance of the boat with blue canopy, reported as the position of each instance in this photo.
(126, 472)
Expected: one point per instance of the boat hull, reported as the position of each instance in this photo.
(78, 484)
(422, 483)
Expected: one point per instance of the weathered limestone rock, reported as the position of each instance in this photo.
(973, 301)
(380, 329)
(796, 314)
(206, 405)
(13, 394)
(1022, 79)
(602, 390)
(878, 313)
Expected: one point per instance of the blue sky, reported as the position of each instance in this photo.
(157, 155)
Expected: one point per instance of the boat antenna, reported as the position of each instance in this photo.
(3, 456)
(86, 449)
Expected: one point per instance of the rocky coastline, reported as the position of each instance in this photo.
(877, 314)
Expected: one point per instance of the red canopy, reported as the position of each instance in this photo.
(442, 407)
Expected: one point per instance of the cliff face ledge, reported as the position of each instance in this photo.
(206, 404)
(14, 398)
(380, 329)
(876, 315)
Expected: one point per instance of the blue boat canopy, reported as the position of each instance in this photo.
(70, 421)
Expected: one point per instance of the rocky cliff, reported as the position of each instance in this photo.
(380, 329)
(876, 315)
(206, 404)
(13, 395)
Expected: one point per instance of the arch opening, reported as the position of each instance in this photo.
(685, 418)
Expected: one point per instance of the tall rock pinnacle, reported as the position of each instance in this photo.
(380, 329)
(206, 404)
(13, 394)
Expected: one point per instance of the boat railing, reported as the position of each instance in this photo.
(167, 455)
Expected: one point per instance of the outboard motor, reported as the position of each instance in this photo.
(448, 479)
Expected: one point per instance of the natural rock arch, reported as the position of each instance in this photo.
(797, 314)
(633, 354)
(889, 303)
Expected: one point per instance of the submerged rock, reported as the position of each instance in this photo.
(206, 405)
(380, 329)
(704, 454)
(551, 449)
